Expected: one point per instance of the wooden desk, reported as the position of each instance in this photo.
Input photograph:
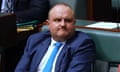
(83, 23)
(113, 30)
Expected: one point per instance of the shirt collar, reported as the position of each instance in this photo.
(53, 42)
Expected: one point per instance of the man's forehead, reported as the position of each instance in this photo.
(61, 14)
(58, 7)
(61, 8)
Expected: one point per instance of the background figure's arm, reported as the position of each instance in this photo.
(36, 9)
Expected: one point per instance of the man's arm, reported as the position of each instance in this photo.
(83, 57)
(24, 63)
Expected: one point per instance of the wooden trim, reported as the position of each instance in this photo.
(112, 30)
(90, 9)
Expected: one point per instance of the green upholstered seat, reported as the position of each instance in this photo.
(107, 48)
(107, 44)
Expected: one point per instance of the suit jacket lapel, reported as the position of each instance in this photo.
(41, 50)
(61, 58)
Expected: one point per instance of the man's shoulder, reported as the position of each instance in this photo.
(80, 37)
(40, 35)
(83, 35)
(43, 33)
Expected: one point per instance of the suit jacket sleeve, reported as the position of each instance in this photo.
(24, 63)
(83, 57)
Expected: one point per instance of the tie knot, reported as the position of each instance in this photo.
(58, 44)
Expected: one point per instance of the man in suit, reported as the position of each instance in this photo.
(27, 10)
(76, 54)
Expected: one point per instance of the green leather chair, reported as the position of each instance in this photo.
(107, 47)
(107, 44)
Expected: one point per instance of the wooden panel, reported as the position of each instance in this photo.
(100, 10)
(90, 9)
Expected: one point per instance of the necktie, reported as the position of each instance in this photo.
(48, 66)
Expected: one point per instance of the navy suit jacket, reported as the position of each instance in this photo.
(76, 56)
(27, 10)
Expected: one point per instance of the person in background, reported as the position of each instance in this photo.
(76, 53)
(26, 10)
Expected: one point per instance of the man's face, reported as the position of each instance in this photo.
(61, 23)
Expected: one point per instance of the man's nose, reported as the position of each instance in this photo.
(63, 23)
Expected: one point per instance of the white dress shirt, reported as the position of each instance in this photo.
(6, 6)
(3, 6)
(47, 55)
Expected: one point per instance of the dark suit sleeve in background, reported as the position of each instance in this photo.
(27, 10)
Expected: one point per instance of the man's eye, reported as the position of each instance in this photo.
(57, 20)
(68, 20)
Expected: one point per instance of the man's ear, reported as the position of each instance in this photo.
(47, 22)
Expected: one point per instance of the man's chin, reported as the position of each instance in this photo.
(63, 36)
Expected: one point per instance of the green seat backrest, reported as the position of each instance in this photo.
(107, 44)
